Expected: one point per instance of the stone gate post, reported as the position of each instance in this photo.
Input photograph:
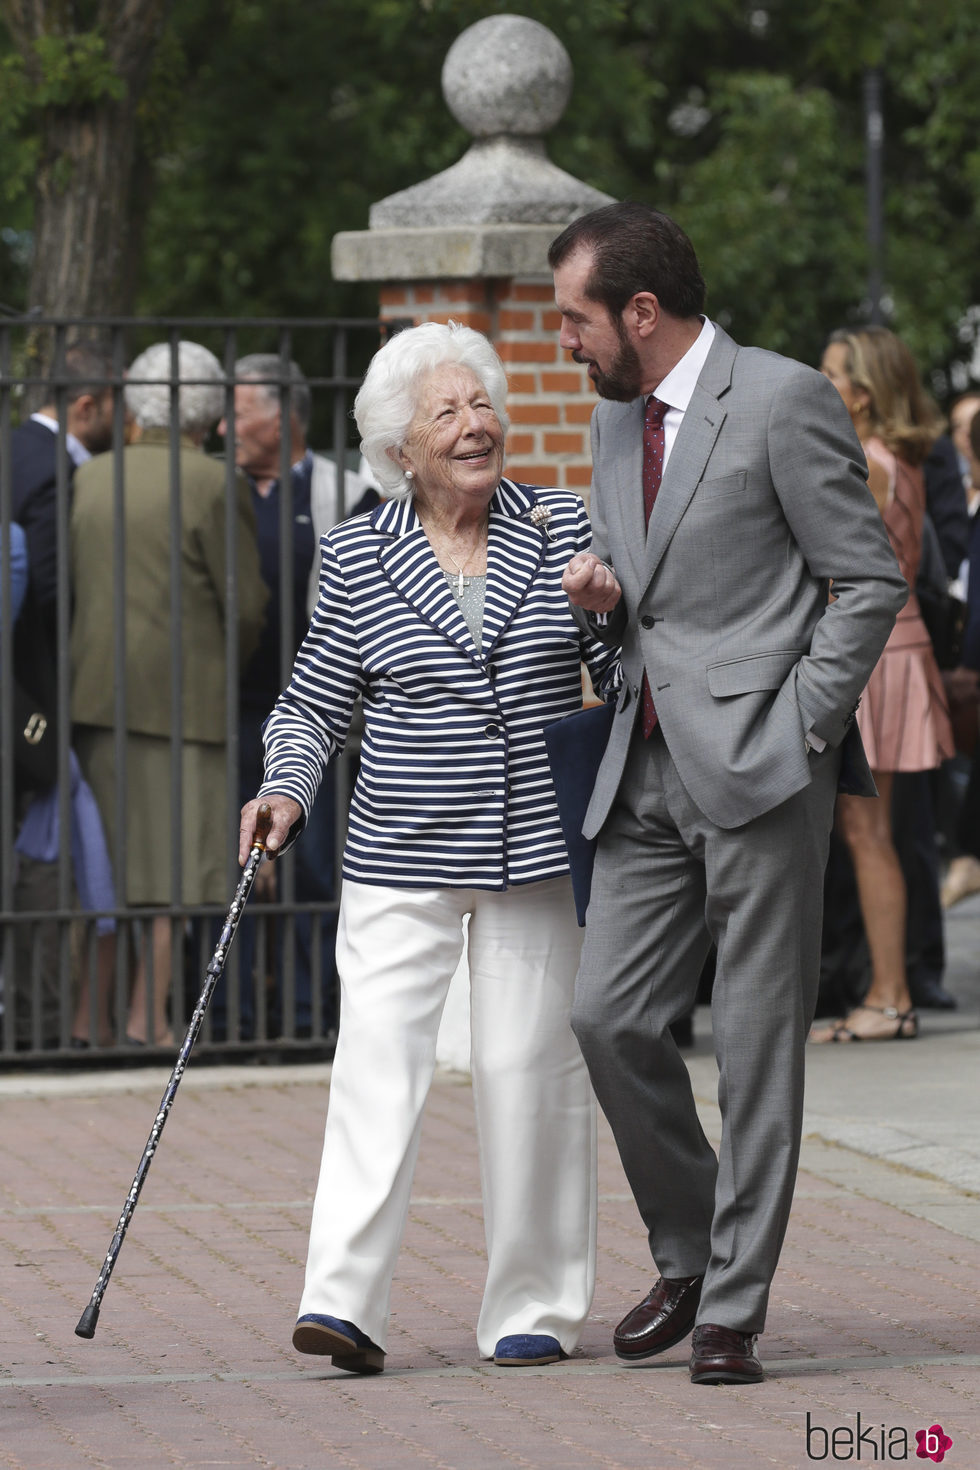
(471, 243)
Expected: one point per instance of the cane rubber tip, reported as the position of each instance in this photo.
(87, 1322)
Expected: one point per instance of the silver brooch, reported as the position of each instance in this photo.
(541, 516)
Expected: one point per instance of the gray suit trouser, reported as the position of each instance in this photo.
(667, 882)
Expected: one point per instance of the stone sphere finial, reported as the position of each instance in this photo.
(508, 75)
(494, 212)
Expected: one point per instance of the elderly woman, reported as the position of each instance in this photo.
(205, 617)
(443, 611)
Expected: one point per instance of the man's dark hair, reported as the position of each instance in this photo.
(88, 369)
(634, 248)
(85, 366)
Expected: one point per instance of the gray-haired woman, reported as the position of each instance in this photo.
(204, 619)
(443, 611)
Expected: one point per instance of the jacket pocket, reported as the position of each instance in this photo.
(755, 671)
(723, 485)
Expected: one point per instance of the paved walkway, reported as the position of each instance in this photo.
(874, 1328)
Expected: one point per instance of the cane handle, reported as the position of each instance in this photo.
(263, 824)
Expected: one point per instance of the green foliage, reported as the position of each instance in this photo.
(161, 105)
(774, 204)
(18, 164)
(73, 71)
(17, 157)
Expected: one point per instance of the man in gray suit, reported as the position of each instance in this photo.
(728, 493)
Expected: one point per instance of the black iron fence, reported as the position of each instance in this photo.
(87, 969)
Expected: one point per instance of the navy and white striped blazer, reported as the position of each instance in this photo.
(454, 788)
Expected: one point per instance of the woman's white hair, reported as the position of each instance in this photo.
(200, 403)
(387, 402)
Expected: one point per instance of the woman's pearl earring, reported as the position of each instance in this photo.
(409, 474)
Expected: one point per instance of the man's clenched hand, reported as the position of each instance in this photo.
(590, 584)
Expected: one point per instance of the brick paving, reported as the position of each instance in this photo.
(875, 1308)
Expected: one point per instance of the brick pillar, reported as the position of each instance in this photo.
(551, 398)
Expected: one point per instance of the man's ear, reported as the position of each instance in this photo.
(642, 313)
(82, 413)
(82, 407)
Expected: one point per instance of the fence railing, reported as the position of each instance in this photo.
(91, 968)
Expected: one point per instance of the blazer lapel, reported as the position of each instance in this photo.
(515, 550)
(410, 566)
(514, 553)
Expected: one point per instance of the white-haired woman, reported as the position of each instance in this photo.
(149, 556)
(443, 611)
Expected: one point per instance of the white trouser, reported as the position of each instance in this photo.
(397, 949)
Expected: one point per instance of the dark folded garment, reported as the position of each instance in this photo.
(576, 746)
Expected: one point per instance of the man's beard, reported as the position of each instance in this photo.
(624, 379)
(99, 441)
(98, 437)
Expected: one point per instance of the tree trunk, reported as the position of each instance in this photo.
(85, 178)
(80, 265)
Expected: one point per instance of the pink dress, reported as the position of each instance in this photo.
(903, 715)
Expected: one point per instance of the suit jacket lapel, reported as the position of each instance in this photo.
(695, 440)
(627, 487)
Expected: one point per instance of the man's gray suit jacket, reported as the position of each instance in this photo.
(726, 595)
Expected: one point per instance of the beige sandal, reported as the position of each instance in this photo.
(906, 1027)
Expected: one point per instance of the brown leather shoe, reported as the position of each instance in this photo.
(722, 1355)
(663, 1317)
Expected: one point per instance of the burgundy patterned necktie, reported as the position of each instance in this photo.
(653, 468)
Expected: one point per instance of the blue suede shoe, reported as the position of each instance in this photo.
(527, 1350)
(346, 1345)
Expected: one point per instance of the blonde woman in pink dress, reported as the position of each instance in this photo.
(903, 716)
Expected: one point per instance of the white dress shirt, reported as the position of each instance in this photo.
(677, 388)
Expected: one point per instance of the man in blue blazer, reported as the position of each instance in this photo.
(33, 450)
(34, 477)
(728, 493)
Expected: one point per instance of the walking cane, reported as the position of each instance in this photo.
(89, 1319)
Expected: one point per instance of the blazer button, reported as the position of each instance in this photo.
(646, 621)
(492, 730)
(491, 672)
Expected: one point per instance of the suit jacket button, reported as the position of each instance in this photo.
(491, 672)
(491, 731)
(646, 621)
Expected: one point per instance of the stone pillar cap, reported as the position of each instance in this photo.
(501, 180)
(507, 79)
